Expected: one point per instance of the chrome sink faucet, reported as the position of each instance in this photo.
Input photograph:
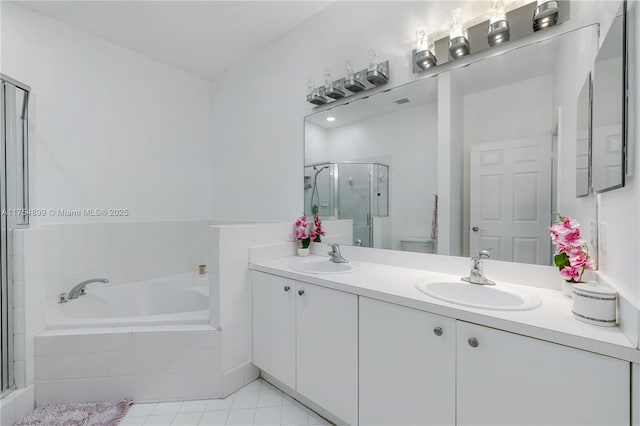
(336, 256)
(476, 275)
(78, 290)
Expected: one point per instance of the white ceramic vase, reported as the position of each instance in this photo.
(303, 252)
(567, 288)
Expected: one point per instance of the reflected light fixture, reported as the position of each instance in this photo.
(376, 73)
(331, 119)
(332, 89)
(545, 15)
(498, 31)
(423, 53)
(315, 95)
(458, 41)
(352, 81)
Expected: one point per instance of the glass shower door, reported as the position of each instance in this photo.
(354, 200)
(14, 98)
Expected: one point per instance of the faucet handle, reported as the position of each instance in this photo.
(62, 298)
(485, 253)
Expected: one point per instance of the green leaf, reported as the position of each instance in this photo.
(561, 260)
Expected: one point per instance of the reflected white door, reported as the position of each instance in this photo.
(607, 157)
(510, 200)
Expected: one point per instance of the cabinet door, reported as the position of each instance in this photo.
(327, 349)
(274, 341)
(508, 379)
(407, 366)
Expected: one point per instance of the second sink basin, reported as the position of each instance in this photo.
(499, 297)
(322, 265)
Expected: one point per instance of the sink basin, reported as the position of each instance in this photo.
(499, 297)
(323, 265)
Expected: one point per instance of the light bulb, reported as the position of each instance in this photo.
(328, 81)
(456, 28)
(373, 60)
(310, 86)
(422, 40)
(497, 12)
(348, 66)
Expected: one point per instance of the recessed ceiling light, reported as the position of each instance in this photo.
(331, 119)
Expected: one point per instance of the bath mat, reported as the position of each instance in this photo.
(78, 414)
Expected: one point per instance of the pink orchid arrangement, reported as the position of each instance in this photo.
(306, 233)
(572, 253)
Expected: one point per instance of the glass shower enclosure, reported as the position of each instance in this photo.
(14, 103)
(349, 190)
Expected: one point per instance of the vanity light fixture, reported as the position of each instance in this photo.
(332, 89)
(458, 38)
(423, 53)
(545, 15)
(376, 73)
(352, 81)
(498, 31)
(315, 95)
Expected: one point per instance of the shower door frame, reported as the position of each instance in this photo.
(8, 188)
(372, 191)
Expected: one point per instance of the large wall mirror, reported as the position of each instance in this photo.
(609, 126)
(458, 162)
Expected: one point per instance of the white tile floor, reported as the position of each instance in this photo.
(258, 403)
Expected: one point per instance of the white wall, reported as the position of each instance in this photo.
(450, 150)
(259, 105)
(619, 210)
(110, 128)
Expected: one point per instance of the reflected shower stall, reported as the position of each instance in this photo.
(349, 190)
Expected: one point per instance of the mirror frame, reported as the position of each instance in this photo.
(625, 106)
(588, 83)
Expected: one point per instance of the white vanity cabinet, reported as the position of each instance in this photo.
(306, 336)
(508, 379)
(327, 349)
(274, 326)
(407, 366)
(421, 368)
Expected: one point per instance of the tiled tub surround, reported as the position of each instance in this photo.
(28, 315)
(122, 251)
(148, 364)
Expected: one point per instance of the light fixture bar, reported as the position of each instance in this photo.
(354, 82)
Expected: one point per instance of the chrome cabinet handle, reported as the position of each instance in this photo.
(473, 342)
(437, 331)
(287, 288)
(475, 229)
(300, 292)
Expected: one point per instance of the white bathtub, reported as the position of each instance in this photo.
(176, 299)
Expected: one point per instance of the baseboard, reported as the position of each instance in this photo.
(238, 377)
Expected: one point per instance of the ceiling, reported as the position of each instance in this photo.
(201, 37)
(205, 37)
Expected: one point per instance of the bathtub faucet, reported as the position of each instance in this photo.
(78, 290)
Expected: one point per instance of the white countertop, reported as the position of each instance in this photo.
(552, 321)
